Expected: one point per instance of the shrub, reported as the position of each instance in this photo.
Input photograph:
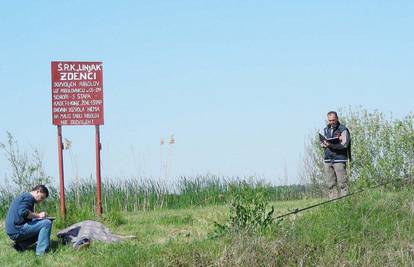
(248, 211)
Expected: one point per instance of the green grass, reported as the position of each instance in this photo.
(371, 229)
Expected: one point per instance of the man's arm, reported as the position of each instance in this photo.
(24, 208)
(25, 211)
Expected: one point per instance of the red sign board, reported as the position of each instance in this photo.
(77, 93)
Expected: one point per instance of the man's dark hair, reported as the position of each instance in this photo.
(43, 189)
(332, 112)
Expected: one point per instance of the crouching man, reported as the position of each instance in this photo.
(26, 227)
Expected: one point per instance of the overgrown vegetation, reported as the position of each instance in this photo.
(141, 195)
(248, 212)
(372, 229)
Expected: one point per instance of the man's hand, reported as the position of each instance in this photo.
(34, 215)
(326, 143)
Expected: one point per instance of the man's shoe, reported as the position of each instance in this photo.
(343, 192)
(18, 247)
(333, 195)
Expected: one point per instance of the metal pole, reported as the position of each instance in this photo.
(98, 172)
(61, 173)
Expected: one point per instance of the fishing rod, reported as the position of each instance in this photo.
(335, 199)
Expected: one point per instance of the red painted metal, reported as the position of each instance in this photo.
(77, 93)
(61, 173)
(98, 172)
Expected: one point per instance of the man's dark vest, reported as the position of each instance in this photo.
(336, 155)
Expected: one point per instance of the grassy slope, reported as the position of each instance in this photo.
(373, 229)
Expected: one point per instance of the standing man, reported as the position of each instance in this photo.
(26, 227)
(336, 155)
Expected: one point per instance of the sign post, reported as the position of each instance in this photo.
(61, 173)
(77, 99)
(98, 171)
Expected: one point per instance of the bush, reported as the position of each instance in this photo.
(247, 211)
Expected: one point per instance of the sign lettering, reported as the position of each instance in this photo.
(77, 93)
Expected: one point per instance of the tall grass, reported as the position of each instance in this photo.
(131, 195)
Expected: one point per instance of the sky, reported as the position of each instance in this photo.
(240, 84)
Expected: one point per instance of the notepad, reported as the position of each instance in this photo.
(332, 140)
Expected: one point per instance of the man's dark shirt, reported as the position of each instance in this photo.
(18, 212)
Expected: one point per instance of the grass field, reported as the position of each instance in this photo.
(371, 229)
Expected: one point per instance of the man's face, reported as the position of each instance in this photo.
(332, 120)
(39, 196)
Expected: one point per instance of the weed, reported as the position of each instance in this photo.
(247, 212)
